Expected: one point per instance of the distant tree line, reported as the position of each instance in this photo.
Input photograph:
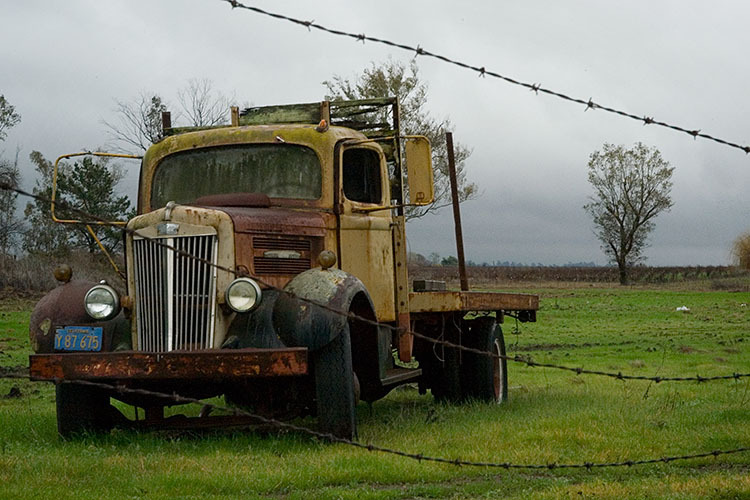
(419, 260)
(720, 277)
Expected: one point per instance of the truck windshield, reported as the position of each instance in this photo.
(278, 170)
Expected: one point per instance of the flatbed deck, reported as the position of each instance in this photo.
(447, 301)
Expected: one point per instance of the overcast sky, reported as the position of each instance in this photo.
(62, 64)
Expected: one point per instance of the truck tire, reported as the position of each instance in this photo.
(82, 409)
(484, 377)
(448, 387)
(447, 361)
(334, 387)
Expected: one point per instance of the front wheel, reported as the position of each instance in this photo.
(334, 387)
(82, 409)
(486, 377)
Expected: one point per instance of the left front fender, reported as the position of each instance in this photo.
(62, 307)
(296, 318)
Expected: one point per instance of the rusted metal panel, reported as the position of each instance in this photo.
(420, 302)
(401, 275)
(366, 251)
(205, 365)
(62, 306)
(276, 220)
(285, 113)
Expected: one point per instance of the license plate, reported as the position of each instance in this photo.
(78, 338)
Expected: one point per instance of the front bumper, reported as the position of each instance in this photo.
(219, 366)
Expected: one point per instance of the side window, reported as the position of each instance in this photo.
(361, 175)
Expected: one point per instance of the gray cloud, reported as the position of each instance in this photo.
(64, 63)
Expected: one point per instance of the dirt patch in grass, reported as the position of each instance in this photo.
(14, 371)
(552, 347)
(14, 392)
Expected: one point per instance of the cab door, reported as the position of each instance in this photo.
(364, 235)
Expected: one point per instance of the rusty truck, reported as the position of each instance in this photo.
(267, 263)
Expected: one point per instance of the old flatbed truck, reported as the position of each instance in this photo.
(306, 198)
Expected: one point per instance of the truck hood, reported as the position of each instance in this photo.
(275, 220)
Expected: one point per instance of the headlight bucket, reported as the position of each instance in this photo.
(102, 302)
(243, 295)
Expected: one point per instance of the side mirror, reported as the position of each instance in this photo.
(97, 222)
(419, 170)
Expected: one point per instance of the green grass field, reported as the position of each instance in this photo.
(552, 416)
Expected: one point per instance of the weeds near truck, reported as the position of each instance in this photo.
(551, 417)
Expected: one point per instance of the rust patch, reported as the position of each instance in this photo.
(276, 220)
(203, 365)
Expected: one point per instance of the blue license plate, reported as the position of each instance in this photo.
(78, 338)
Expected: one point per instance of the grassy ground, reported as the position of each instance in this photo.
(552, 416)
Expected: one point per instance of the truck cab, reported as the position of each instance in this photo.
(267, 263)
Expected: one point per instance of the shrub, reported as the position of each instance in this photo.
(741, 251)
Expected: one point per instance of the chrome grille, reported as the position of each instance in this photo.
(175, 294)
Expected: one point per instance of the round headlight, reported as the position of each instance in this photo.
(243, 295)
(102, 302)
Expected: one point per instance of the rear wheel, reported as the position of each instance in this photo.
(447, 361)
(485, 377)
(82, 409)
(448, 387)
(334, 387)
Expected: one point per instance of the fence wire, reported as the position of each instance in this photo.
(420, 457)
(526, 360)
(483, 71)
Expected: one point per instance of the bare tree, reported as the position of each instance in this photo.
(203, 106)
(11, 227)
(8, 117)
(394, 79)
(10, 177)
(632, 187)
(138, 123)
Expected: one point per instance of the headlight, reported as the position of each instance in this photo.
(243, 295)
(102, 302)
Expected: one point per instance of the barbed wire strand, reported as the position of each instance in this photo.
(420, 457)
(528, 361)
(483, 71)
